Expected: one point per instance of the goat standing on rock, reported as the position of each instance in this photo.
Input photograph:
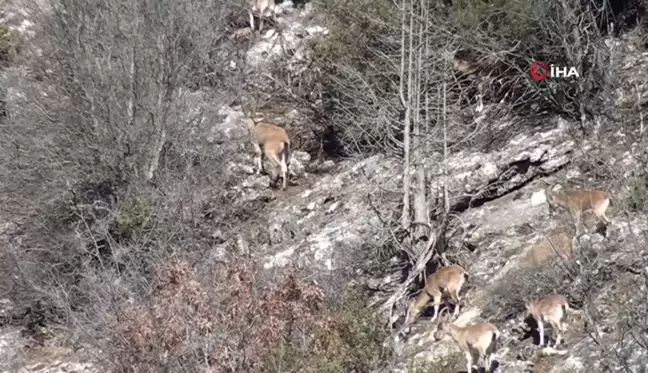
(447, 280)
(271, 141)
(477, 341)
(550, 309)
(578, 202)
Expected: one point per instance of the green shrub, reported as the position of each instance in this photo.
(357, 66)
(354, 32)
(361, 332)
(451, 363)
(496, 20)
(353, 68)
(10, 44)
(351, 342)
(133, 218)
(638, 198)
(535, 31)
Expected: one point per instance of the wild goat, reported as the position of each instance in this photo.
(550, 309)
(557, 245)
(447, 280)
(578, 202)
(271, 141)
(476, 341)
(263, 8)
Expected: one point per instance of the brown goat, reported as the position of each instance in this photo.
(557, 245)
(269, 140)
(550, 309)
(476, 341)
(447, 280)
(579, 201)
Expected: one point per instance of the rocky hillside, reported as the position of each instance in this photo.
(336, 223)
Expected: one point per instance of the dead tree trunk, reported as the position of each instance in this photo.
(406, 100)
(421, 215)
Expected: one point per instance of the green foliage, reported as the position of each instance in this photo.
(10, 44)
(354, 68)
(133, 218)
(638, 198)
(351, 342)
(356, 29)
(357, 66)
(448, 364)
(361, 333)
(561, 33)
(355, 52)
(500, 19)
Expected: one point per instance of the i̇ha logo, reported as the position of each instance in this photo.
(541, 71)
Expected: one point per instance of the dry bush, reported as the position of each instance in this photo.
(627, 304)
(103, 166)
(105, 107)
(94, 114)
(111, 241)
(240, 326)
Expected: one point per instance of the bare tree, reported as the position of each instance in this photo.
(405, 93)
(421, 213)
(118, 82)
